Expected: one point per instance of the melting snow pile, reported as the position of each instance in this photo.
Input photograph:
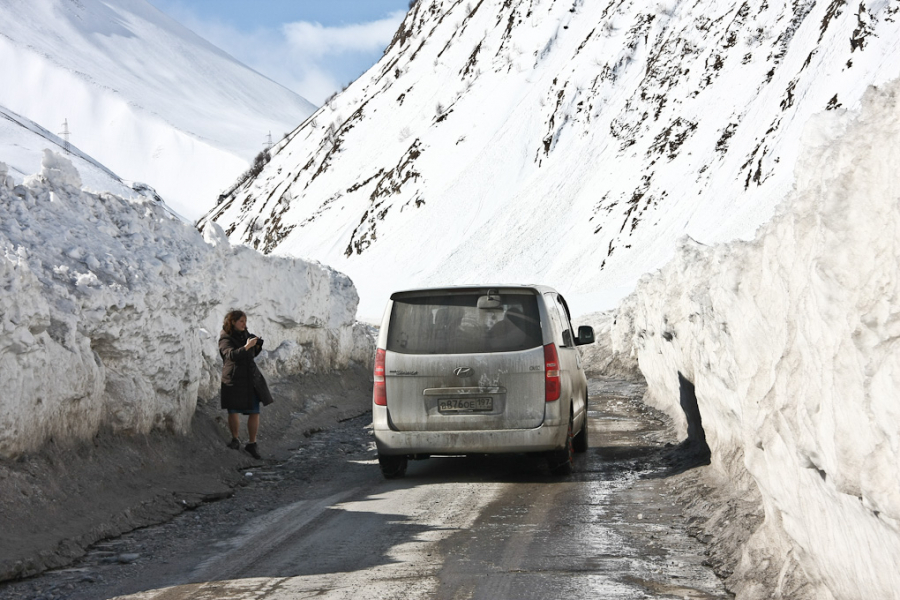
(111, 310)
(793, 343)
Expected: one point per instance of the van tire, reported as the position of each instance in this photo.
(392, 467)
(562, 461)
(580, 443)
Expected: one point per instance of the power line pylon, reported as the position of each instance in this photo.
(268, 143)
(65, 133)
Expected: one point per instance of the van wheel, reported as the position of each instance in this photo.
(562, 461)
(580, 443)
(392, 467)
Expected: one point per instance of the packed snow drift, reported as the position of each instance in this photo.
(111, 310)
(145, 96)
(792, 342)
(567, 143)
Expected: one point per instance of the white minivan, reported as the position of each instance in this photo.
(479, 370)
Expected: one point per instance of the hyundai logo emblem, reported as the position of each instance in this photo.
(462, 372)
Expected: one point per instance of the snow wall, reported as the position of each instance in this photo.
(600, 359)
(792, 341)
(111, 310)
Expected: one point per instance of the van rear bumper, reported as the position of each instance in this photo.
(542, 438)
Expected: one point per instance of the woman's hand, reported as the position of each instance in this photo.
(250, 343)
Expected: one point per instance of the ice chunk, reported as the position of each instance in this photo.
(59, 172)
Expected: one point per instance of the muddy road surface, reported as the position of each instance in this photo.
(326, 524)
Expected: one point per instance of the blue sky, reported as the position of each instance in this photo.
(314, 47)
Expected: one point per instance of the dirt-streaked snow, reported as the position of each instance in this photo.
(142, 94)
(791, 341)
(112, 307)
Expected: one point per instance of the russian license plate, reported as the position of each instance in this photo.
(465, 404)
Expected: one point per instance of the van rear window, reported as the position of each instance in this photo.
(455, 324)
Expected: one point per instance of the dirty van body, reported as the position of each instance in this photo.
(479, 370)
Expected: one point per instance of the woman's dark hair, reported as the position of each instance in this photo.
(230, 318)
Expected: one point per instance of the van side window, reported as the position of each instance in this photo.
(555, 319)
(567, 322)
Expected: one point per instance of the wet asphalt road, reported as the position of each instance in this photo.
(464, 527)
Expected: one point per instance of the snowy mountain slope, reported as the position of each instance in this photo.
(22, 149)
(560, 141)
(791, 342)
(145, 96)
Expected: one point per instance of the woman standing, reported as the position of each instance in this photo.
(243, 386)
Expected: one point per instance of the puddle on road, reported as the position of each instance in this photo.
(675, 591)
(638, 534)
(612, 530)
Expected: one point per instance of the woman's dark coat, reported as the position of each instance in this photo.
(240, 375)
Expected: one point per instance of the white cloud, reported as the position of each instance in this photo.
(314, 83)
(314, 39)
(311, 59)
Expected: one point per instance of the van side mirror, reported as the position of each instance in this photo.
(585, 335)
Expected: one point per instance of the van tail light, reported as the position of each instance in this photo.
(551, 373)
(379, 393)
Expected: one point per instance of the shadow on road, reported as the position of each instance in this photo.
(339, 541)
(648, 461)
(496, 468)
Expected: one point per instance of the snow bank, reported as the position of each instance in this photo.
(600, 359)
(793, 343)
(111, 310)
